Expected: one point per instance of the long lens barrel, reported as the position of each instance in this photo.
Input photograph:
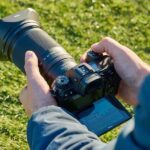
(21, 32)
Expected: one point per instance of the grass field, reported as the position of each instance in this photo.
(75, 25)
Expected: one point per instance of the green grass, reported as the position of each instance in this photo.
(75, 25)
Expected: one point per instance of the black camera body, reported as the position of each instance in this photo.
(86, 82)
(86, 90)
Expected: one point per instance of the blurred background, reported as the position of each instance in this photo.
(76, 25)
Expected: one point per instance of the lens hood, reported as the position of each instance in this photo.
(12, 26)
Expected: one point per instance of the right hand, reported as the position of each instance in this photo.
(128, 65)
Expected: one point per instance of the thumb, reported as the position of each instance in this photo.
(31, 65)
(34, 77)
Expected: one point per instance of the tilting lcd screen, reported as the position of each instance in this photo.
(104, 115)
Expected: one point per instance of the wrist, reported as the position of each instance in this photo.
(143, 73)
(41, 104)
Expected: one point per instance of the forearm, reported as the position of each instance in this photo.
(142, 116)
(136, 133)
(52, 127)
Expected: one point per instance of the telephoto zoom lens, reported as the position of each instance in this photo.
(21, 32)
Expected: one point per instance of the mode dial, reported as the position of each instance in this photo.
(62, 82)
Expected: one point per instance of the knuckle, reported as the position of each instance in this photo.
(106, 40)
(28, 64)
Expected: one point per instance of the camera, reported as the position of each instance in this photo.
(86, 82)
(86, 90)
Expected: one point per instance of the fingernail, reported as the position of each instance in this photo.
(28, 54)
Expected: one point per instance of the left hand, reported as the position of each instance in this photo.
(37, 93)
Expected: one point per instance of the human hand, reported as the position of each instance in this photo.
(37, 93)
(128, 65)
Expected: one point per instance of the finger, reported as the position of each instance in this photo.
(34, 77)
(37, 85)
(83, 57)
(108, 45)
(94, 46)
(23, 95)
(105, 46)
(31, 65)
(24, 99)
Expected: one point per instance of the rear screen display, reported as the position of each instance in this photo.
(103, 116)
